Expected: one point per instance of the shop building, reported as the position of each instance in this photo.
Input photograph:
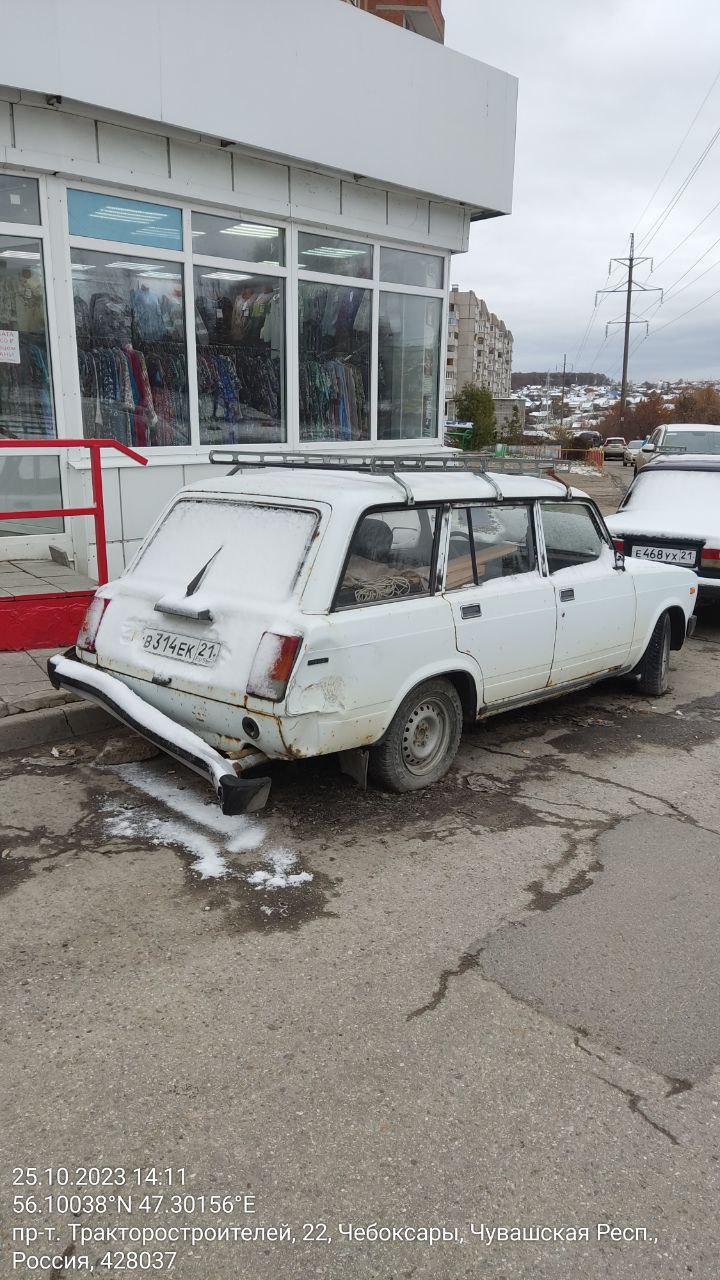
(238, 249)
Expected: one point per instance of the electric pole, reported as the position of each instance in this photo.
(627, 287)
(562, 393)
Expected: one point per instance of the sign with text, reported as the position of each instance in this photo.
(9, 346)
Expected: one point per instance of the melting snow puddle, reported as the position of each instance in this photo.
(202, 830)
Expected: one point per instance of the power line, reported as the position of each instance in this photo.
(677, 196)
(686, 313)
(678, 150)
(687, 237)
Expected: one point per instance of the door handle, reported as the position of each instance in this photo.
(470, 611)
(567, 594)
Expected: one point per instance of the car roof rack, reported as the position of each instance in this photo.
(370, 463)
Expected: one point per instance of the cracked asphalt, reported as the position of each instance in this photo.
(496, 1002)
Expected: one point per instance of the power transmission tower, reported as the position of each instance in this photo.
(562, 394)
(627, 287)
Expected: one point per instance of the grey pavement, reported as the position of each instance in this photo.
(495, 1002)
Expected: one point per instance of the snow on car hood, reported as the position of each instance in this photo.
(661, 523)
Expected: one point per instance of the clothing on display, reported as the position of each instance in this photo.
(131, 357)
(334, 361)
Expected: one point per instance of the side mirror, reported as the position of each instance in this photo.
(620, 561)
(650, 447)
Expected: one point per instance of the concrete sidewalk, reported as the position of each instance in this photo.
(32, 712)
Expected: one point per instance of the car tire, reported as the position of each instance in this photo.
(422, 740)
(653, 669)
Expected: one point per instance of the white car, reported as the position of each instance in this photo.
(671, 514)
(632, 448)
(614, 447)
(299, 608)
(678, 438)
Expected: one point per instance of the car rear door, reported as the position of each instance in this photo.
(503, 606)
(595, 600)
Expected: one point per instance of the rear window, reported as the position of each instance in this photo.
(252, 550)
(390, 557)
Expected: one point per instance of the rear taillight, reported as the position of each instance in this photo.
(272, 666)
(619, 545)
(90, 626)
(710, 558)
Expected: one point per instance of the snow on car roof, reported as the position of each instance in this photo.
(692, 426)
(361, 488)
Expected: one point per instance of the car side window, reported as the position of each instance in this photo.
(489, 542)
(390, 558)
(571, 535)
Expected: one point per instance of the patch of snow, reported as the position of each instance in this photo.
(200, 829)
(240, 833)
(279, 877)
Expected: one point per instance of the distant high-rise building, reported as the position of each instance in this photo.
(422, 16)
(479, 348)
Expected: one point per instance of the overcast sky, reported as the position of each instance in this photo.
(607, 91)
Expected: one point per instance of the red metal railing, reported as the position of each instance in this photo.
(97, 510)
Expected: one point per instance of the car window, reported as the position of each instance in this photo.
(571, 535)
(655, 437)
(692, 441)
(635, 444)
(489, 542)
(390, 557)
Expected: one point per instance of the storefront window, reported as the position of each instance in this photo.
(334, 348)
(240, 334)
(399, 266)
(30, 482)
(237, 238)
(408, 364)
(333, 257)
(124, 221)
(130, 327)
(19, 200)
(26, 401)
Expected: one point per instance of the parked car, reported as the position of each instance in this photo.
(614, 447)
(290, 611)
(671, 514)
(679, 438)
(630, 450)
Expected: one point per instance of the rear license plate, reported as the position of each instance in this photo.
(668, 555)
(169, 644)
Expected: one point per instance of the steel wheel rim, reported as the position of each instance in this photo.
(425, 737)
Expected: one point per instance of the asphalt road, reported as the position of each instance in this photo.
(495, 1002)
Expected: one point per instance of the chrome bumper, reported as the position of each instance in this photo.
(236, 795)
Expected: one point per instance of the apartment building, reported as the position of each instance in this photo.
(425, 17)
(479, 348)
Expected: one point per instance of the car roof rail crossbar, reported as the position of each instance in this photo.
(369, 463)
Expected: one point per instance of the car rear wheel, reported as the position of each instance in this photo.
(654, 667)
(422, 741)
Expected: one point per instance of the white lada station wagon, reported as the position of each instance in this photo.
(365, 606)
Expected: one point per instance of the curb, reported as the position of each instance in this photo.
(53, 724)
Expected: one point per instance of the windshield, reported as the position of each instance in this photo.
(230, 547)
(675, 492)
(692, 441)
(635, 444)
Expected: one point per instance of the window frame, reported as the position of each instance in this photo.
(438, 506)
(595, 516)
(493, 504)
(62, 243)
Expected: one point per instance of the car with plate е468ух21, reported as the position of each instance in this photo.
(671, 515)
(368, 607)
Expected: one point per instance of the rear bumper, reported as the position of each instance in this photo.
(236, 795)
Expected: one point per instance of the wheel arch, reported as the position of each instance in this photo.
(678, 627)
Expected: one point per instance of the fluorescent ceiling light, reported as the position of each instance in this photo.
(133, 266)
(249, 229)
(19, 253)
(225, 275)
(118, 214)
(327, 251)
(161, 275)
